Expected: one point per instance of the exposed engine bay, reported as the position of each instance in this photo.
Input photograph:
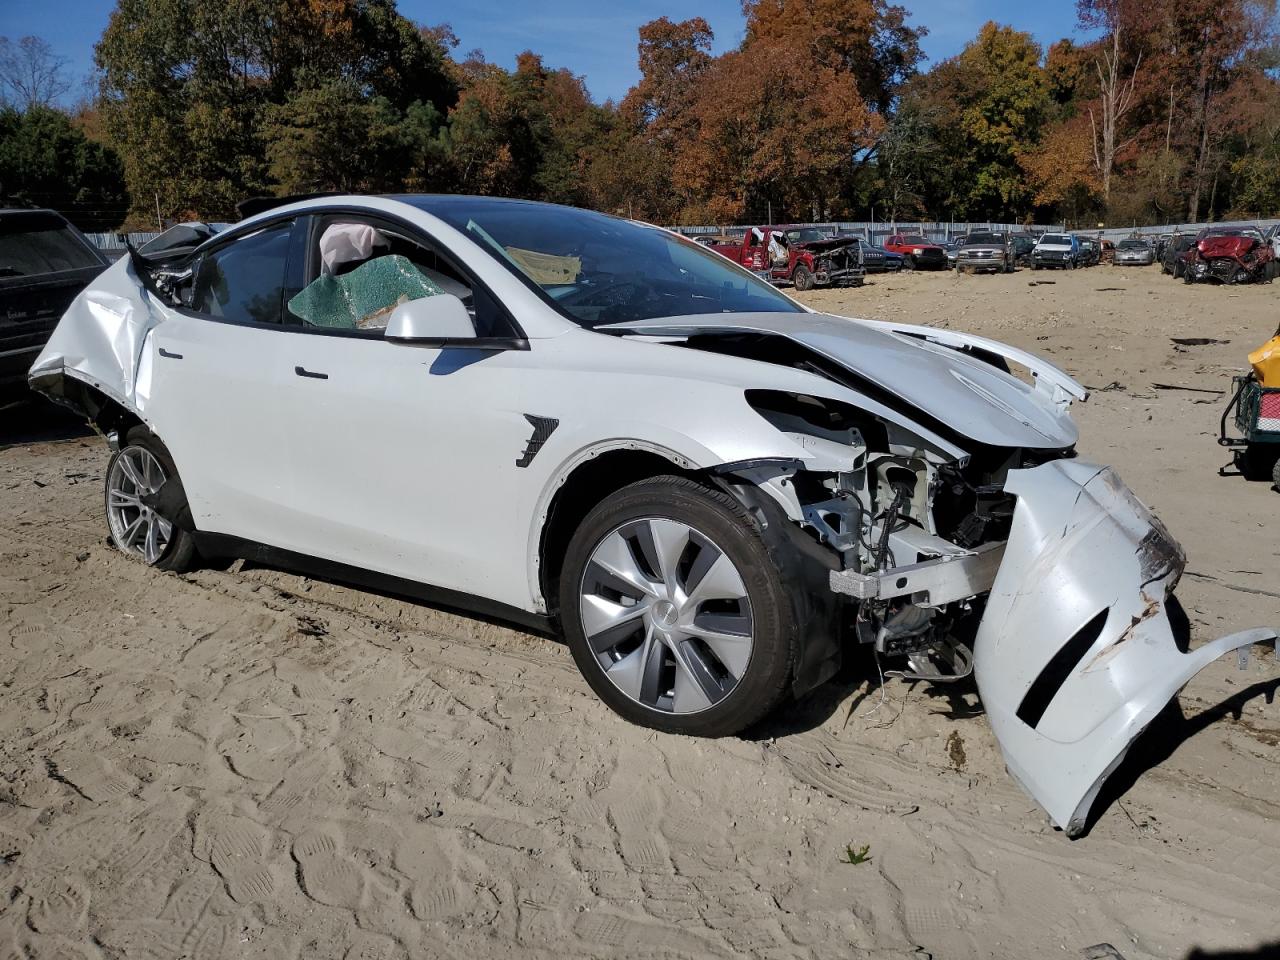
(979, 546)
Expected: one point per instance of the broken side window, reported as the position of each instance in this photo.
(364, 298)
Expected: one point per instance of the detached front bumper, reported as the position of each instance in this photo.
(1075, 654)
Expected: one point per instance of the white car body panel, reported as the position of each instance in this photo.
(1082, 546)
(419, 462)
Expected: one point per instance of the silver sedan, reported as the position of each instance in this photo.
(1134, 253)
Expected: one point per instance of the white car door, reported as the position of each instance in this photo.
(403, 456)
(214, 390)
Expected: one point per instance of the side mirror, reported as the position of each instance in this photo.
(442, 317)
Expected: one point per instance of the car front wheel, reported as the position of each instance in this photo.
(674, 611)
(143, 494)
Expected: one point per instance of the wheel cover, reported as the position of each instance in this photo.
(666, 613)
(135, 476)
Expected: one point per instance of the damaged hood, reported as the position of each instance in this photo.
(1226, 246)
(897, 365)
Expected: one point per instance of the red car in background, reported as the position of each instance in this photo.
(802, 256)
(1229, 255)
(917, 251)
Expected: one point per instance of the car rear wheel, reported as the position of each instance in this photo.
(674, 611)
(136, 476)
(802, 278)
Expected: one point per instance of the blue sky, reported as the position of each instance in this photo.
(592, 38)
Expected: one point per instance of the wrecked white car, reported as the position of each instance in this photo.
(578, 422)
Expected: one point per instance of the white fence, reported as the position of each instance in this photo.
(874, 230)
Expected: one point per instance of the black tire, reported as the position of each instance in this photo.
(907, 262)
(180, 552)
(802, 278)
(1275, 477)
(718, 516)
(1260, 461)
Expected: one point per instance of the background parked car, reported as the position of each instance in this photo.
(1172, 262)
(804, 256)
(714, 240)
(44, 263)
(1134, 253)
(1090, 251)
(875, 259)
(917, 251)
(1228, 254)
(985, 251)
(1023, 244)
(951, 246)
(1060, 250)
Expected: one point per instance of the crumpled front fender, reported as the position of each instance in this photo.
(1075, 654)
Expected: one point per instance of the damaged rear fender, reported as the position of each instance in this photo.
(1076, 654)
(100, 341)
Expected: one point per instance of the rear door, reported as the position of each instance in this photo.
(215, 387)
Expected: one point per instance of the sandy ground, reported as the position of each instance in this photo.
(247, 763)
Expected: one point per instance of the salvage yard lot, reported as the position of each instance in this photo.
(247, 763)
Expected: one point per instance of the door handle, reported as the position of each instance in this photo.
(171, 356)
(304, 372)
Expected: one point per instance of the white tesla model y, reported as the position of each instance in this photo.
(598, 427)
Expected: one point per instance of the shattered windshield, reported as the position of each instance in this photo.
(597, 269)
(1056, 239)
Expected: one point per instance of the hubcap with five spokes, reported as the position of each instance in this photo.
(666, 613)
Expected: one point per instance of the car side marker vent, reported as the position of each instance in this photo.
(1055, 672)
(543, 427)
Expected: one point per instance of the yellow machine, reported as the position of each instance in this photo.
(1266, 362)
(1256, 403)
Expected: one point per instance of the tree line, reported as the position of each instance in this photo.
(824, 110)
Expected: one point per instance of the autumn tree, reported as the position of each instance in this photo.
(1117, 59)
(656, 118)
(988, 104)
(189, 89)
(47, 161)
(1061, 169)
(868, 41)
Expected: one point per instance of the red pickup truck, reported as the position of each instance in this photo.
(917, 251)
(803, 256)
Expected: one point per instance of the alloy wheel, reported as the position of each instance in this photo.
(666, 614)
(135, 476)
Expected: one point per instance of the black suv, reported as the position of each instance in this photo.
(44, 263)
(1171, 260)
